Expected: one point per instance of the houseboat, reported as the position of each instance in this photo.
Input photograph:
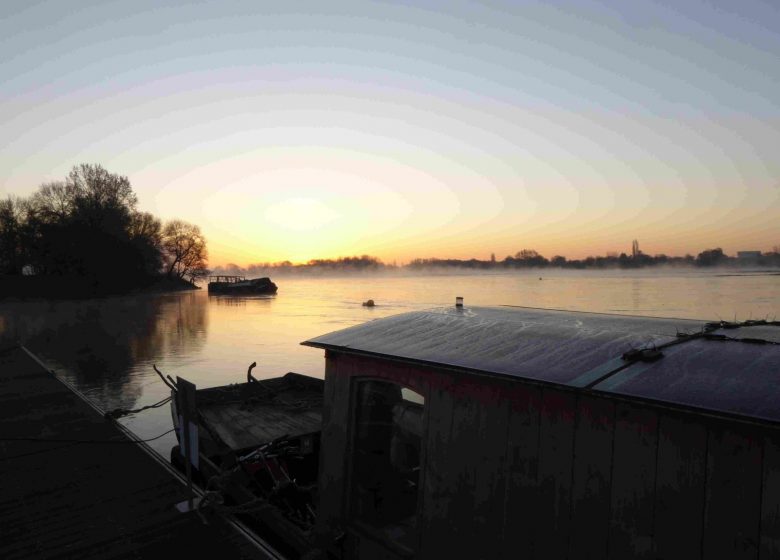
(240, 285)
(524, 433)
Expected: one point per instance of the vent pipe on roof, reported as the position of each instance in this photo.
(459, 302)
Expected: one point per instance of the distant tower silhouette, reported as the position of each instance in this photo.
(635, 252)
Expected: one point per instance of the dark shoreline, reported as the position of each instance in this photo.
(76, 287)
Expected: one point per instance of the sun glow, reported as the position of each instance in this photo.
(300, 214)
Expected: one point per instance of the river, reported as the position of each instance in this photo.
(107, 346)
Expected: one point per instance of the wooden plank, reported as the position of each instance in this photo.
(522, 451)
(633, 482)
(89, 501)
(593, 440)
(490, 457)
(556, 445)
(733, 494)
(461, 479)
(770, 499)
(679, 499)
(333, 452)
(438, 478)
(477, 468)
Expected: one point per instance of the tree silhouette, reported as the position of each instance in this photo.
(88, 233)
(184, 250)
(12, 232)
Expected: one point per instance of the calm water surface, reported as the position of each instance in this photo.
(107, 347)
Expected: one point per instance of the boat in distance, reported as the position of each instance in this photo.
(240, 285)
(476, 432)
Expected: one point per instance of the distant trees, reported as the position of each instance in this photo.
(89, 227)
(356, 263)
(711, 257)
(184, 251)
(528, 257)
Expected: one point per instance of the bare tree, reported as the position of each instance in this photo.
(144, 225)
(52, 203)
(93, 185)
(13, 216)
(184, 250)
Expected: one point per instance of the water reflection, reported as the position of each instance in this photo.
(98, 344)
(238, 301)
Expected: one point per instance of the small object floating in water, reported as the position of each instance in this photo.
(369, 303)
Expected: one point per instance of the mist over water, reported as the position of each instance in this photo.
(107, 347)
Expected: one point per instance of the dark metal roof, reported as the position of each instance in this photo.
(555, 346)
(586, 350)
(722, 376)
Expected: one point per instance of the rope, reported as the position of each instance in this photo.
(707, 333)
(119, 412)
(654, 352)
(724, 338)
(71, 443)
(96, 441)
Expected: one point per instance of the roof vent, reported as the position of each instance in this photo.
(459, 302)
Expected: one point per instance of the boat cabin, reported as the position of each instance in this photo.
(524, 433)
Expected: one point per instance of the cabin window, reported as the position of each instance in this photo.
(386, 468)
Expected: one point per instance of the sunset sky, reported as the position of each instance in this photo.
(294, 130)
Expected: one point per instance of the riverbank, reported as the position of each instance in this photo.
(80, 287)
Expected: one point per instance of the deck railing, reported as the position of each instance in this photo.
(227, 279)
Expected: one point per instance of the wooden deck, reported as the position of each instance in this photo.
(250, 414)
(87, 500)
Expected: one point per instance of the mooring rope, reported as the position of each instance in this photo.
(72, 443)
(119, 412)
(77, 441)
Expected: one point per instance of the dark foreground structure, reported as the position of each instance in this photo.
(505, 433)
(104, 500)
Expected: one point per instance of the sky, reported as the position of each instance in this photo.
(299, 130)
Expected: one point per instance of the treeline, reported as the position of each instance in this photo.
(529, 258)
(87, 230)
(363, 263)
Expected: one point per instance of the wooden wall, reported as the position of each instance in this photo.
(514, 470)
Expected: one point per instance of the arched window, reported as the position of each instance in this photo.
(386, 458)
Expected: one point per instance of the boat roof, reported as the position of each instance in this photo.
(722, 367)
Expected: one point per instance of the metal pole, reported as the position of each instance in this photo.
(186, 392)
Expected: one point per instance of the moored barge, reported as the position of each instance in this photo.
(240, 285)
(517, 432)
